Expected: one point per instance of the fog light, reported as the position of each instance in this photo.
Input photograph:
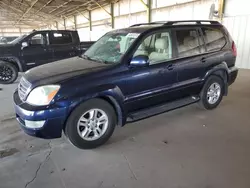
(34, 124)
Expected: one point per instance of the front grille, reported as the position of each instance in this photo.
(23, 88)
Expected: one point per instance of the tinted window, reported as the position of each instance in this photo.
(39, 39)
(158, 48)
(61, 38)
(188, 43)
(214, 39)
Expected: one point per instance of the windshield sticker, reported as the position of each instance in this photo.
(133, 35)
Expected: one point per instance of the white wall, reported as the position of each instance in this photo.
(237, 7)
(15, 32)
(129, 12)
(237, 21)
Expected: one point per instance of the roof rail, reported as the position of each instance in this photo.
(178, 21)
(151, 23)
(196, 21)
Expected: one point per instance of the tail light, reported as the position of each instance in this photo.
(234, 49)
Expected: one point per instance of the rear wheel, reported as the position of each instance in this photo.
(212, 93)
(8, 73)
(91, 124)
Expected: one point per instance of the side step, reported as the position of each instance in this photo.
(138, 115)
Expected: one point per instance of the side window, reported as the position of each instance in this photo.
(188, 42)
(214, 39)
(61, 38)
(158, 48)
(38, 39)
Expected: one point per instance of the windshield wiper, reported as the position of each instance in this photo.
(102, 61)
(85, 57)
(97, 60)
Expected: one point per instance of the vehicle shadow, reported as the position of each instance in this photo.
(131, 130)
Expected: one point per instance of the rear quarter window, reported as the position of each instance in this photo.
(188, 43)
(214, 39)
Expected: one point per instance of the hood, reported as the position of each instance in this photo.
(61, 70)
(6, 45)
(6, 48)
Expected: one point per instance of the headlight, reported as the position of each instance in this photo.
(42, 95)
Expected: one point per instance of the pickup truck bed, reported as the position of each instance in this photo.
(86, 45)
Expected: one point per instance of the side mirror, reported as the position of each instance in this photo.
(24, 45)
(139, 61)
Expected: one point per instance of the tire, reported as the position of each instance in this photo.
(74, 128)
(8, 73)
(205, 101)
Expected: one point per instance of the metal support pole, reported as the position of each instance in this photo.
(75, 22)
(102, 8)
(148, 6)
(82, 15)
(112, 15)
(90, 21)
(221, 9)
(149, 10)
(57, 26)
(64, 23)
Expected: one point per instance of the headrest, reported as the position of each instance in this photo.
(191, 42)
(161, 43)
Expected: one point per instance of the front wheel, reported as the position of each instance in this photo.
(91, 124)
(212, 93)
(8, 73)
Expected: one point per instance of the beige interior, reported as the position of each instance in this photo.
(162, 50)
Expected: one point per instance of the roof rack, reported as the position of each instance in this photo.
(151, 23)
(196, 21)
(179, 21)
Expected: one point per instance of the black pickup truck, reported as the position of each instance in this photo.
(38, 48)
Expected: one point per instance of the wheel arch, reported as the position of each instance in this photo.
(13, 60)
(221, 71)
(119, 111)
(112, 95)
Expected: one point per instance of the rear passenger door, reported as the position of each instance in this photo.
(217, 49)
(62, 45)
(190, 63)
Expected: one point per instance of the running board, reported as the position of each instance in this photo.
(138, 115)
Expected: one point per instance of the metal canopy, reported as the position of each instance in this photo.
(37, 13)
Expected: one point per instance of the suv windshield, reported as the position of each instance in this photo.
(111, 47)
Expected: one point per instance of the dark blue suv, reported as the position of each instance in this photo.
(127, 75)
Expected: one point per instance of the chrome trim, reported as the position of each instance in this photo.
(23, 89)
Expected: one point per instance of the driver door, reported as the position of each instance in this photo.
(153, 84)
(37, 52)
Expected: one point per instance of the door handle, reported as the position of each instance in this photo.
(170, 67)
(203, 60)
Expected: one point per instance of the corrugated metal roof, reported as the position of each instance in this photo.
(36, 13)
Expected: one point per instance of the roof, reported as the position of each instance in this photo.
(140, 28)
(35, 13)
(179, 22)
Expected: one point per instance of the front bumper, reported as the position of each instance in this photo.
(233, 72)
(54, 119)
